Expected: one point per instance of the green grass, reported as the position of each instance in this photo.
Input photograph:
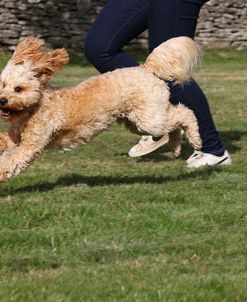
(95, 225)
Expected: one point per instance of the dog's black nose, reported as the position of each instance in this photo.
(3, 102)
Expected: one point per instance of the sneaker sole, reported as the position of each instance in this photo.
(224, 162)
(151, 148)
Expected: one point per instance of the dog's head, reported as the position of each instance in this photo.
(25, 77)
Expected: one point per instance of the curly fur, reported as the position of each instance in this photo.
(41, 116)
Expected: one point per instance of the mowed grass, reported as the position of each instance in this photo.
(96, 225)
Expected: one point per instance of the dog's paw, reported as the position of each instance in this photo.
(4, 176)
(177, 151)
(6, 170)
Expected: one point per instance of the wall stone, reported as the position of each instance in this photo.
(66, 22)
(223, 23)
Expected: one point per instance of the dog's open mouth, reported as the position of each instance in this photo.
(6, 113)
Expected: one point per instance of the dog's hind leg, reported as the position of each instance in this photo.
(182, 117)
(175, 141)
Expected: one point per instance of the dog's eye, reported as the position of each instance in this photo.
(18, 89)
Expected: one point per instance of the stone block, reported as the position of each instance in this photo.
(67, 22)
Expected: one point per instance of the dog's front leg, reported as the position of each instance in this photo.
(5, 142)
(12, 162)
(9, 140)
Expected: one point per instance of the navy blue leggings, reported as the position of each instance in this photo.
(122, 20)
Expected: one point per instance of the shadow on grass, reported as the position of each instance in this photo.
(229, 139)
(158, 155)
(97, 181)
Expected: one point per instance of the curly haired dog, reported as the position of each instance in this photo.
(42, 116)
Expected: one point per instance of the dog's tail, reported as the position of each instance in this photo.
(174, 60)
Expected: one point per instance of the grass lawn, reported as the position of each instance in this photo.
(96, 225)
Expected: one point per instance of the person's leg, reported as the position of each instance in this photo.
(118, 23)
(172, 18)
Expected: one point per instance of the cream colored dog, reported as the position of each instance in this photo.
(41, 116)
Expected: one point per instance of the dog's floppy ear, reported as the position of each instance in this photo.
(48, 63)
(28, 49)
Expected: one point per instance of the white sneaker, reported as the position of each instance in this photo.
(200, 159)
(195, 155)
(147, 145)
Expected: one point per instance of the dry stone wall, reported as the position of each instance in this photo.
(66, 22)
(223, 23)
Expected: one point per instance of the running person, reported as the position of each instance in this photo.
(122, 20)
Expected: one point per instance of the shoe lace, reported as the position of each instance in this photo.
(143, 140)
(199, 155)
(196, 155)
